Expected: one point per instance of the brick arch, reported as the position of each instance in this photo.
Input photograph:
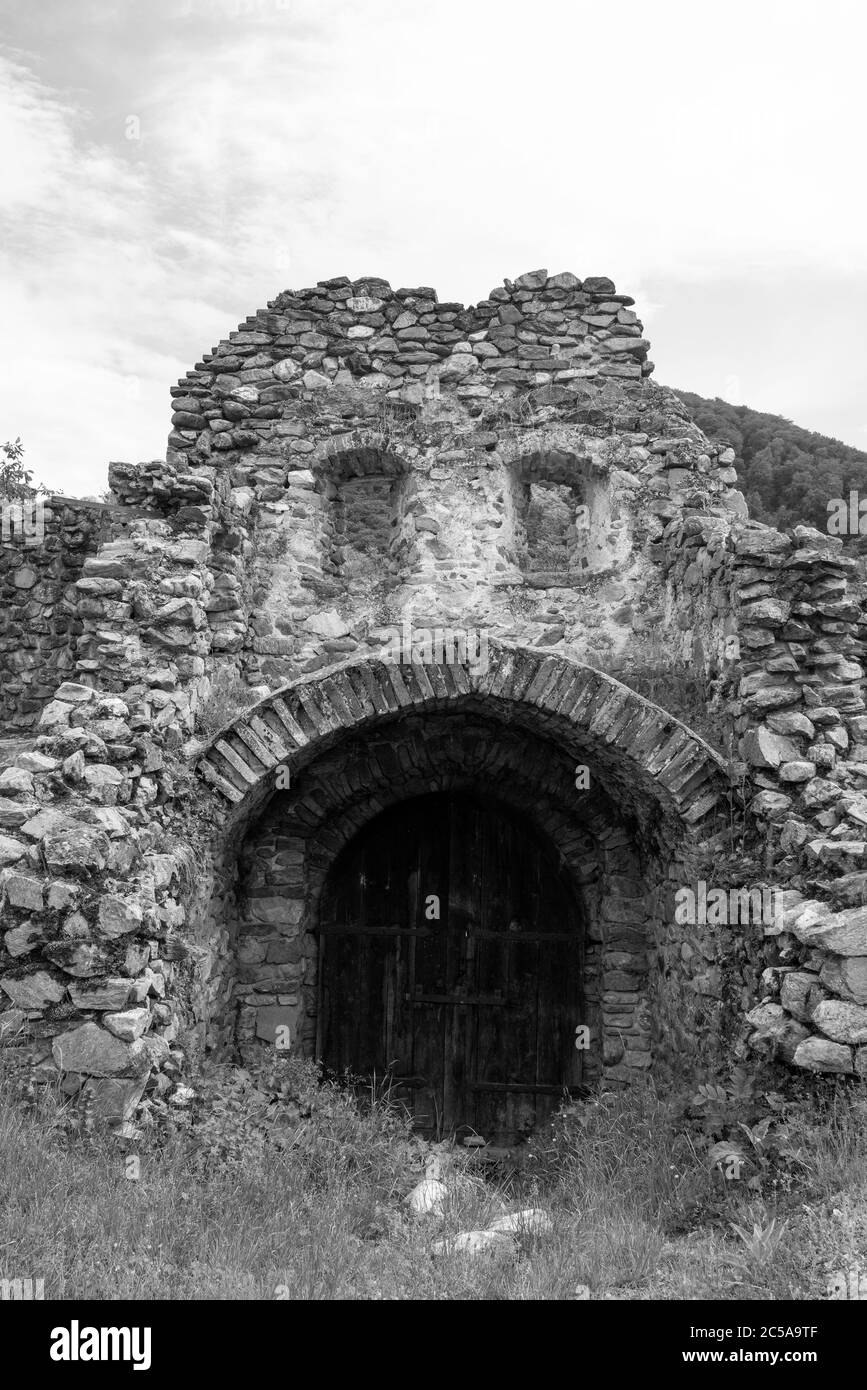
(290, 851)
(550, 455)
(643, 754)
(359, 452)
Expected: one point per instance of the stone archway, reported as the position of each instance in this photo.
(361, 738)
(588, 709)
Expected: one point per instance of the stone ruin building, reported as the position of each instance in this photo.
(314, 736)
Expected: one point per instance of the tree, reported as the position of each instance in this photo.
(16, 481)
(787, 474)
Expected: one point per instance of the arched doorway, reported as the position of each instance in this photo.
(360, 736)
(450, 956)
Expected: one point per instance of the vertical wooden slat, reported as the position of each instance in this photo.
(429, 1019)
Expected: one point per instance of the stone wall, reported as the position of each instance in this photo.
(95, 847)
(457, 412)
(353, 460)
(779, 619)
(41, 557)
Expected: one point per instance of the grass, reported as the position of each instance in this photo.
(296, 1192)
(228, 696)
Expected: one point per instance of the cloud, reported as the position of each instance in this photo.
(690, 155)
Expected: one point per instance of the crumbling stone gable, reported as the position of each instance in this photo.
(353, 463)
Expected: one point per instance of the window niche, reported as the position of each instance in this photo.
(365, 540)
(561, 510)
(550, 511)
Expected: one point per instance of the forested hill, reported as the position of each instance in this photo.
(787, 474)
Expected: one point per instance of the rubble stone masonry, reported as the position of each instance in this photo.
(353, 459)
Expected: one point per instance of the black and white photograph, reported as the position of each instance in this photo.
(433, 720)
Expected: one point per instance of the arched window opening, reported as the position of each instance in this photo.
(561, 516)
(365, 539)
(366, 519)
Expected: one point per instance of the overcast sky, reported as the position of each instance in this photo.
(708, 157)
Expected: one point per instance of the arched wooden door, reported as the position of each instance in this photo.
(451, 956)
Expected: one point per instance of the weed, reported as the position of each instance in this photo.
(275, 1182)
(685, 690)
(228, 695)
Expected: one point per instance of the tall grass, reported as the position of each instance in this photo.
(316, 1211)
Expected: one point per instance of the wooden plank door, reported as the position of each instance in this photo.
(528, 953)
(450, 957)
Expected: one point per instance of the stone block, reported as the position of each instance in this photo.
(842, 933)
(821, 1055)
(80, 958)
(34, 991)
(762, 748)
(800, 992)
(82, 850)
(10, 850)
(847, 977)
(275, 1016)
(20, 941)
(797, 771)
(110, 993)
(91, 1050)
(118, 916)
(22, 890)
(128, 1024)
(841, 1021)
